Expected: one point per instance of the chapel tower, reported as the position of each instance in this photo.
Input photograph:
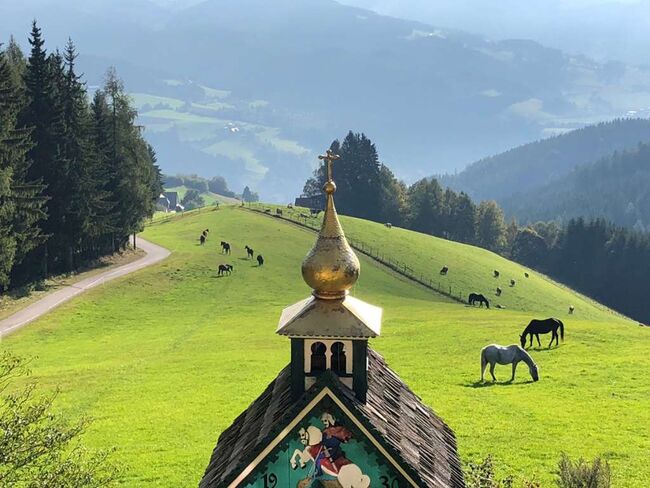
(337, 416)
(329, 330)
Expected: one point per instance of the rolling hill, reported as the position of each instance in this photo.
(209, 197)
(166, 358)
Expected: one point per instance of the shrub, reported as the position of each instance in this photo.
(482, 475)
(581, 474)
(39, 448)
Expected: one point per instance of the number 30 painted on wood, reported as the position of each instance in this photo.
(386, 482)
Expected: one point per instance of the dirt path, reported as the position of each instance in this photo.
(37, 309)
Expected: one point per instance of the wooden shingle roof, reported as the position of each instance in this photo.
(407, 428)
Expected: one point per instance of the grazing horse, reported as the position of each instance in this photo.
(571, 309)
(225, 247)
(496, 273)
(444, 270)
(536, 327)
(249, 252)
(225, 269)
(260, 260)
(202, 239)
(499, 291)
(513, 282)
(495, 354)
(526, 275)
(389, 225)
(477, 297)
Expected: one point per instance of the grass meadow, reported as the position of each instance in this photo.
(166, 358)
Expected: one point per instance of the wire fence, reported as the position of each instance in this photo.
(312, 222)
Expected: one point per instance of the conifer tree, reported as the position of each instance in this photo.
(490, 226)
(20, 200)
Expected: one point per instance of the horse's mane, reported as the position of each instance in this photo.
(526, 355)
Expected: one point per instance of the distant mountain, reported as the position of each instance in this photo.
(602, 29)
(521, 171)
(253, 89)
(616, 188)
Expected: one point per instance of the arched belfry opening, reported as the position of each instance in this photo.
(318, 359)
(338, 359)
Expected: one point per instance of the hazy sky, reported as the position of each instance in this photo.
(602, 29)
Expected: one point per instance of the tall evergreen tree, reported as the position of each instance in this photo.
(490, 226)
(365, 187)
(135, 180)
(425, 207)
(20, 200)
(464, 219)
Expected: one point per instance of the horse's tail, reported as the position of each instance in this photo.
(561, 329)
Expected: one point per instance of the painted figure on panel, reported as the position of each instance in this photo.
(323, 448)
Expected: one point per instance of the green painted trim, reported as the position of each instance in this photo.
(297, 367)
(360, 369)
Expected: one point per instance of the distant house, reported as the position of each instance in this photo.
(315, 202)
(168, 202)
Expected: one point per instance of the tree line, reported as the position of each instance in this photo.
(197, 185)
(76, 176)
(368, 189)
(609, 263)
(217, 184)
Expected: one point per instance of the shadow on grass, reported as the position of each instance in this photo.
(488, 384)
(542, 349)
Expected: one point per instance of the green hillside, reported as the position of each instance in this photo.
(209, 197)
(471, 269)
(166, 358)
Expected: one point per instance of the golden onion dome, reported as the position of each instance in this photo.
(331, 268)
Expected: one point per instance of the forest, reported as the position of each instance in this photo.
(624, 177)
(76, 176)
(602, 260)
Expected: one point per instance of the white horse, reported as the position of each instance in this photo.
(349, 476)
(494, 354)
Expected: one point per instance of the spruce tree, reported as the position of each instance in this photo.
(491, 226)
(21, 201)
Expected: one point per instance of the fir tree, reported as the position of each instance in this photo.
(490, 226)
(20, 200)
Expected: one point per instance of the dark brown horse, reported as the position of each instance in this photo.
(260, 260)
(477, 297)
(537, 327)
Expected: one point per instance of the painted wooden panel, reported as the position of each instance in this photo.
(326, 449)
